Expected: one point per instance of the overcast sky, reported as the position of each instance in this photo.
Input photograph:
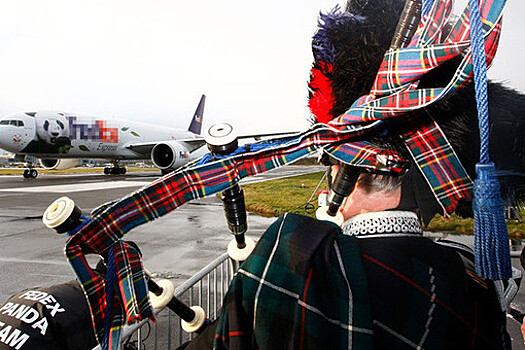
(151, 60)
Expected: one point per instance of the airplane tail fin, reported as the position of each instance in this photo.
(196, 121)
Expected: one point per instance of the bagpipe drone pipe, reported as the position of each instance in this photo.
(63, 215)
(359, 101)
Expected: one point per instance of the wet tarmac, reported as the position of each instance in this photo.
(176, 245)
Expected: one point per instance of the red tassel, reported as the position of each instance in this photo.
(322, 99)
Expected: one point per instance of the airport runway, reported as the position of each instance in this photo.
(174, 246)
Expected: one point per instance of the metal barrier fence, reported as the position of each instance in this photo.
(206, 289)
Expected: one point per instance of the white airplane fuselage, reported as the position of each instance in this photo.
(90, 137)
(59, 140)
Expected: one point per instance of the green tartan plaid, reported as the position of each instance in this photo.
(308, 286)
(303, 287)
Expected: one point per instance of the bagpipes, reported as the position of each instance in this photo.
(395, 98)
(64, 216)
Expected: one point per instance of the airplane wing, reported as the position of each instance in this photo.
(146, 147)
(194, 143)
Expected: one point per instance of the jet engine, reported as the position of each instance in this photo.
(169, 155)
(58, 164)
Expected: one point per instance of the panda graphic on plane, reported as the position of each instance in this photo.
(60, 140)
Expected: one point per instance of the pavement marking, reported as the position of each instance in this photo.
(34, 261)
(82, 187)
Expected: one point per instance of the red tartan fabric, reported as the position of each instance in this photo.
(395, 92)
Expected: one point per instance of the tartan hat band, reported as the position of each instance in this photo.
(368, 156)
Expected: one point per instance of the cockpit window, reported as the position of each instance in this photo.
(18, 123)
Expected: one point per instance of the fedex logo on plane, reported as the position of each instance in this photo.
(97, 131)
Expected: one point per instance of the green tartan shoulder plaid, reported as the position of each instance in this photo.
(303, 287)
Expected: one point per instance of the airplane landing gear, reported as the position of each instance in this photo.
(30, 172)
(166, 171)
(115, 170)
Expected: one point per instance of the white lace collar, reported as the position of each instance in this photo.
(383, 222)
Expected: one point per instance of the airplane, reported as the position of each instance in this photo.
(60, 140)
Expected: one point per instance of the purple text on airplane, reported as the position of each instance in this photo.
(97, 131)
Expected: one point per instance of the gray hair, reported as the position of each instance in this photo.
(379, 182)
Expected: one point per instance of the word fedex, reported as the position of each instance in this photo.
(14, 337)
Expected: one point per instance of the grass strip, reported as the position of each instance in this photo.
(275, 197)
